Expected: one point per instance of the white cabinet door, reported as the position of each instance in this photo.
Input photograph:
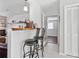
(71, 34)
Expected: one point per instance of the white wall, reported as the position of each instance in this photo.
(62, 4)
(51, 8)
(11, 7)
(17, 17)
(35, 12)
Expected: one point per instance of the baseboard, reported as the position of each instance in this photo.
(52, 36)
(63, 54)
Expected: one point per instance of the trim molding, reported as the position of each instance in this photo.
(63, 54)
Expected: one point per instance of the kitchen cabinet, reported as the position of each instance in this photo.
(3, 50)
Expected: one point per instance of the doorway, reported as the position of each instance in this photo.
(52, 30)
(52, 34)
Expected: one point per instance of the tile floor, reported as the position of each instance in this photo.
(51, 50)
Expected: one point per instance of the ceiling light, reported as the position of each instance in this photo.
(25, 6)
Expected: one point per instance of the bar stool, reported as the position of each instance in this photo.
(32, 43)
(41, 38)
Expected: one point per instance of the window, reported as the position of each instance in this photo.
(50, 26)
(50, 22)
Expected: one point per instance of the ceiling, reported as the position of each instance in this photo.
(49, 7)
(14, 7)
(11, 7)
(45, 2)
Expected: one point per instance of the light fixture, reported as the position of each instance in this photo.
(25, 6)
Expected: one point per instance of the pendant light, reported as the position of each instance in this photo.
(25, 6)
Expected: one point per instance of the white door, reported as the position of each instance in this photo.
(71, 28)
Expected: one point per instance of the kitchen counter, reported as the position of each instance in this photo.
(16, 40)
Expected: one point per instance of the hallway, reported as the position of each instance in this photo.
(51, 51)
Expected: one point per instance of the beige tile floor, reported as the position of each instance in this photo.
(51, 51)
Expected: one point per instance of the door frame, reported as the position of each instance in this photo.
(65, 18)
(45, 20)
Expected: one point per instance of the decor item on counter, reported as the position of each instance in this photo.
(26, 6)
(13, 21)
(29, 24)
(22, 21)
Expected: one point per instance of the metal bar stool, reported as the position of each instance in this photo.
(41, 39)
(32, 43)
